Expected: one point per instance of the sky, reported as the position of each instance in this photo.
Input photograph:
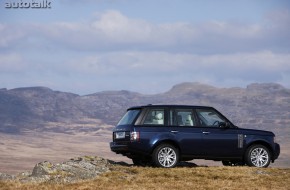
(146, 46)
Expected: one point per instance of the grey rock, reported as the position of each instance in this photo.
(73, 170)
(5, 177)
(31, 179)
(43, 168)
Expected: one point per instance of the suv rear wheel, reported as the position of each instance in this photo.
(258, 156)
(165, 155)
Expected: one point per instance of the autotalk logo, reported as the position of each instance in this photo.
(34, 4)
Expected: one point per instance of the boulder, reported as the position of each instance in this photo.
(5, 177)
(73, 170)
(43, 168)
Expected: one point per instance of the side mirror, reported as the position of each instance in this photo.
(224, 125)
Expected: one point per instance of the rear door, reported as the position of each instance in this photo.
(152, 128)
(184, 128)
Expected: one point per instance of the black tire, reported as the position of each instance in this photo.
(166, 156)
(136, 162)
(140, 162)
(233, 163)
(226, 163)
(258, 156)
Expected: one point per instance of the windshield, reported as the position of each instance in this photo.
(129, 117)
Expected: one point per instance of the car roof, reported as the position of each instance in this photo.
(168, 106)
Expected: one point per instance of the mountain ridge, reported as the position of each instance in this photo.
(33, 107)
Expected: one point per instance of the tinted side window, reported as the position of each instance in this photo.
(182, 117)
(154, 117)
(209, 117)
(129, 117)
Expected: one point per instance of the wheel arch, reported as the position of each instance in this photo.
(167, 141)
(260, 142)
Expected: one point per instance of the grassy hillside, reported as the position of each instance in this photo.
(124, 177)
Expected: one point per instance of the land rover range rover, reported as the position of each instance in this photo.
(166, 134)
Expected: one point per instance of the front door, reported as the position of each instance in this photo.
(218, 141)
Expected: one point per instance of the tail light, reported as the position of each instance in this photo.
(135, 136)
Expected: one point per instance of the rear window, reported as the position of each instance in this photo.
(129, 117)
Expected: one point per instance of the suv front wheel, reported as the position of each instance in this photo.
(258, 156)
(166, 156)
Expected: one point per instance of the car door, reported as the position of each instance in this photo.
(183, 125)
(219, 141)
(153, 128)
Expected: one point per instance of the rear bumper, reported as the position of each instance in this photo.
(119, 148)
(129, 149)
(276, 152)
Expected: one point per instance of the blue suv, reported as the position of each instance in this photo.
(167, 134)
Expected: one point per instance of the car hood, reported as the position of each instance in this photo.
(257, 132)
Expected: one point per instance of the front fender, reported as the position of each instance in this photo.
(267, 141)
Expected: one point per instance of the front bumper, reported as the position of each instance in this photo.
(276, 152)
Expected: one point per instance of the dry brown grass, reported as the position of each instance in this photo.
(122, 177)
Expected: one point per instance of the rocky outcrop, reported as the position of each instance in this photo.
(73, 170)
(5, 177)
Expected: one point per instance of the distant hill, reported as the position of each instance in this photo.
(260, 106)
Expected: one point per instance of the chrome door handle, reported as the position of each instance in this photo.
(206, 132)
(174, 131)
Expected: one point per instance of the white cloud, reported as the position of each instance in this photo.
(111, 30)
(117, 28)
(261, 65)
(148, 72)
(10, 35)
(136, 54)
